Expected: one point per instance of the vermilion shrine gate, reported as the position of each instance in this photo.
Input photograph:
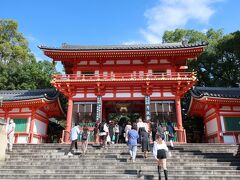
(145, 79)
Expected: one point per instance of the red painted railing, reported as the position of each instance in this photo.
(125, 76)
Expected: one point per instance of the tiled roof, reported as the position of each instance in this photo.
(16, 95)
(67, 47)
(221, 92)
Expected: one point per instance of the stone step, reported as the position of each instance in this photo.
(112, 163)
(188, 161)
(117, 171)
(121, 177)
(120, 166)
(125, 154)
(118, 158)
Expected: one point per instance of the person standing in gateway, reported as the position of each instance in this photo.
(75, 131)
(10, 134)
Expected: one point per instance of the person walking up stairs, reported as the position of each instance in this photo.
(159, 151)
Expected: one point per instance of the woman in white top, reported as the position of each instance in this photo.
(10, 134)
(128, 127)
(159, 151)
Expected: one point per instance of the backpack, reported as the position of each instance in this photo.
(84, 136)
(101, 127)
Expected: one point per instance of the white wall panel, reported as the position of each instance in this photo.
(163, 61)
(39, 127)
(153, 61)
(109, 62)
(236, 108)
(212, 126)
(15, 110)
(91, 95)
(156, 94)
(35, 140)
(22, 139)
(209, 112)
(229, 139)
(123, 62)
(93, 63)
(225, 108)
(79, 95)
(42, 113)
(26, 110)
(138, 95)
(222, 123)
(123, 94)
(108, 95)
(82, 63)
(168, 94)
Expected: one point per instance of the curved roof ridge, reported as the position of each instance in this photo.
(16, 95)
(176, 45)
(221, 92)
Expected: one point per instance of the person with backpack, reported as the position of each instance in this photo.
(84, 138)
(132, 142)
(171, 132)
(160, 150)
(96, 132)
(160, 131)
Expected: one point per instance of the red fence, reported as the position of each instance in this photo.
(125, 76)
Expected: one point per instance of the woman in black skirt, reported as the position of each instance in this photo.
(144, 141)
(160, 153)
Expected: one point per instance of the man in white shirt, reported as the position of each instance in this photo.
(10, 134)
(141, 124)
(75, 131)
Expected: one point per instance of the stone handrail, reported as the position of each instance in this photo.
(3, 138)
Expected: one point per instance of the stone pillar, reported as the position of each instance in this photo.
(69, 119)
(3, 137)
(147, 108)
(180, 131)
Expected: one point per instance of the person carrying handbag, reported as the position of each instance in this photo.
(160, 150)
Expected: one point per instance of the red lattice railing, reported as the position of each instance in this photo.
(125, 76)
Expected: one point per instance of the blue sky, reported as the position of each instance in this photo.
(94, 22)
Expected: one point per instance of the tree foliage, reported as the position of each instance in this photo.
(219, 64)
(18, 66)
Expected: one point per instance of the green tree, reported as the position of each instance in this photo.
(219, 64)
(18, 66)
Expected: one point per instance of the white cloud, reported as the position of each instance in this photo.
(172, 14)
(32, 39)
(131, 42)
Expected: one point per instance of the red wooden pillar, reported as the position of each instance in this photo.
(220, 133)
(180, 132)
(30, 138)
(69, 119)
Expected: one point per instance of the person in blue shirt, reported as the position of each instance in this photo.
(132, 142)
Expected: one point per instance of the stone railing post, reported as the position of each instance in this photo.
(3, 137)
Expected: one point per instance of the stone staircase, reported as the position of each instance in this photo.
(188, 162)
